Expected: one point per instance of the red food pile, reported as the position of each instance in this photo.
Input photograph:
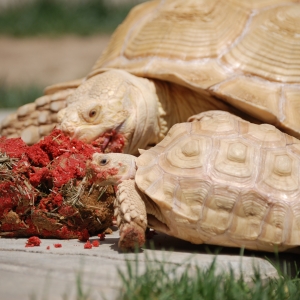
(44, 191)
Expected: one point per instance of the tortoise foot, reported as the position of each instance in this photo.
(131, 237)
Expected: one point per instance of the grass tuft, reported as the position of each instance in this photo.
(54, 18)
(162, 281)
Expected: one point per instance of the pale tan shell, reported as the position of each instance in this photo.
(222, 180)
(246, 53)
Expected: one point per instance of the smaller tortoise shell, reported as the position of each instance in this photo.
(222, 180)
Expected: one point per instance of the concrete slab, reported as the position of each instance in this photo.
(38, 273)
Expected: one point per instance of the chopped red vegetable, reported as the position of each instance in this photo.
(88, 245)
(33, 241)
(101, 236)
(95, 243)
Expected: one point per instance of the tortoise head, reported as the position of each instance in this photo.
(113, 106)
(111, 168)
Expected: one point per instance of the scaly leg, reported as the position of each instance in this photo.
(131, 215)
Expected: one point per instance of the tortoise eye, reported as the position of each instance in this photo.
(103, 161)
(92, 113)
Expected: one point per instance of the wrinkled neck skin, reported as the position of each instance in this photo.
(145, 126)
(177, 103)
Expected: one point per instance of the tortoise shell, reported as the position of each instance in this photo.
(246, 53)
(222, 180)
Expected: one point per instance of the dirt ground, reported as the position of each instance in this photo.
(45, 61)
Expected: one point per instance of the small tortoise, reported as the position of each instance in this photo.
(217, 180)
(172, 59)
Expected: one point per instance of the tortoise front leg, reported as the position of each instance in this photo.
(131, 215)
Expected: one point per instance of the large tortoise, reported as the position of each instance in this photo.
(171, 59)
(217, 180)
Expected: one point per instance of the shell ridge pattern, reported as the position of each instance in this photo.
(153, 182)
(207, 166)
(271, 30)
(264, 219)
(176, 205)
(137, 24)
(238, 164)
(199, 193)
(233, 211)
(282, 102)
(178, 140)
(209, 192)
(219, 204)
(260, 162)
(237, 40)
(178, 159)
(258, 157)
(256, 214)
(254, 77)
(283, 179)
(199, 223)
(154, 57)
(278, 219)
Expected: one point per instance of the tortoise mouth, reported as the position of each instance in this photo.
(110, 141)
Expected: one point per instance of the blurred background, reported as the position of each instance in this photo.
(43, 42)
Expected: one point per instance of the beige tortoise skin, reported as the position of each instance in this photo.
(172, 59)
(217, 180)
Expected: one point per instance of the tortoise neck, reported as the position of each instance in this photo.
(142, 121)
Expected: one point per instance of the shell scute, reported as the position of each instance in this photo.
(187, 157)
(248, 217)
(146, 176)
(265, 135)
(280, 174)
(295, 228)
(214, 122)
(294, 147)
(176, 131)
(276, 229)
(235, 161)
(292, 107)
(257, 97)
(162, 192)
(149, 157)
(272, 43)
(190, 197)
(217, 212)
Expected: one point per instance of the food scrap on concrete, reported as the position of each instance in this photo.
(33, 242)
